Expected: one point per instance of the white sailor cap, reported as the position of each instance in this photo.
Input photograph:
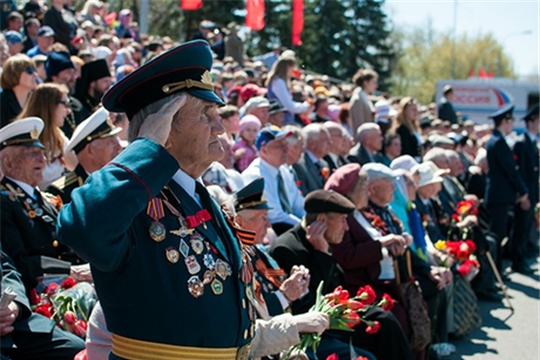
(96, 126)
(24, 132)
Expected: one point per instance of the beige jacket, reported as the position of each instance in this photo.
(361, 109)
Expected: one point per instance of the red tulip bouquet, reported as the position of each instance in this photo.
(344, 312)
(65, 301)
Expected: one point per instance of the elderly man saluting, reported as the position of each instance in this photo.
(170, 245)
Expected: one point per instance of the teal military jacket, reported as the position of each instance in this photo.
(158, 279)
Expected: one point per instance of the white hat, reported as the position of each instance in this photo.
(384, 111)
(257, 102)
(379, 171)
(404, 162)
(24, 132)
(96, 126)
(427, 174)
(437, 170)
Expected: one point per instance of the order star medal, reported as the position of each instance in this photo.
(172, 254)
(195, 286)
(221, 269)
(157, 231)
(196, 243)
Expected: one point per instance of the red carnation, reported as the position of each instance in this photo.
(351, 318)
(373, 327)
(44, 310)
(472, 245)
(68, 283)
(34, 297)
(366, 295)
(456, 218)
(387, 302)
(333, 356)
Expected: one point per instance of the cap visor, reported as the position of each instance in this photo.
(206, 95)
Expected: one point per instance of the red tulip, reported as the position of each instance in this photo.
(52, 289)
(70, 318)
(44, 310)
(355, 305)
(79, 328)
(333, 356)
(34, 297)
(68, 283)
(373, 327)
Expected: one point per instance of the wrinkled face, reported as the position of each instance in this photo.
(374, 140)
(261, 113)
(320, 146)
(336, 226)
(295, 149)
(25, 164)
(105, 149)
(428, 191)
(228, 154)
(456, 167)
(359, 194)
(337, 139)
(381, 191)
(194, 135)
(256, 221)
(275, 152)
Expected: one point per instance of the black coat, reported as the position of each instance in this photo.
(332, 165)
(409, 142)
(526, 157)
(66, 184)
(504, 182)
(30, 238)
(9, 107)
(309, 175)
(446, 111)
(62, 29)
(358, 154)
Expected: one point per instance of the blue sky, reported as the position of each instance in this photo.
(506, 20)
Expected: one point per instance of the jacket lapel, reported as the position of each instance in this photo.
(190, 207)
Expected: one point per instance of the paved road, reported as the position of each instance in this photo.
(503, 335)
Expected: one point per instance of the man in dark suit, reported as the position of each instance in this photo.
(95, 143)
(370, 141)
(28, 219)
(526, 156)
(505, 187)
(311, 169)
(26, 335)
(338, 149)
(308, 244)
(446, 109)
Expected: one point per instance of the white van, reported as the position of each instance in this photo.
(477, 98)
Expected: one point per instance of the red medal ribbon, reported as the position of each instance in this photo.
(155, 209)
(200, 217)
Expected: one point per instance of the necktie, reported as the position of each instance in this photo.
(283, 199)
(37, 196)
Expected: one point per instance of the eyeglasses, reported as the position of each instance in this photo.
(63, 102)
(30, 70)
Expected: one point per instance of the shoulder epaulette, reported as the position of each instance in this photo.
(66, 180)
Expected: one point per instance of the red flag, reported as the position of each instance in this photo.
(471, 73)
(191, 4)
(255, 14)
(482, 74)
(297, 21)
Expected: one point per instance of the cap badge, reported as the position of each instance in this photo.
(206, 78)
(34, 134)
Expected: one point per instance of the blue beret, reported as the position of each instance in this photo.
(185, 67)
(56, 62)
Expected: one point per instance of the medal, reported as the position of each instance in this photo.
(39, 212)
(209, 261)
(221, 269)
(182, 231)
(184, 248)
(157, 231)
(192, 265)
(196, 244)
(249, 293)
(195, 286)
(172, 254)
(208, 276)
(31, 214)
(47, 218)
(217, 287)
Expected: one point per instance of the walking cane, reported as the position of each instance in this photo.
(499, 279)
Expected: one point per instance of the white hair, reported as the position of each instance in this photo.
(436, 155)
(481, 157)
(330, 125)
(365, 129)
(451, 155)
(312, 131)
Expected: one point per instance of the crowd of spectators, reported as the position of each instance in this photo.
(404, 166)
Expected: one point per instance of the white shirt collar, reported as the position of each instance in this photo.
(270, 168)
(28, 189)
(313, 158)
(186, 182)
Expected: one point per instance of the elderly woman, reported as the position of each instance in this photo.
(365, 254)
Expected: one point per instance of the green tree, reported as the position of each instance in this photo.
(425, 56)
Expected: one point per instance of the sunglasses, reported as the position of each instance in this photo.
(63, 102)
(30, 70)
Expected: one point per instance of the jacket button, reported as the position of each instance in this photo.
(55, 243)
